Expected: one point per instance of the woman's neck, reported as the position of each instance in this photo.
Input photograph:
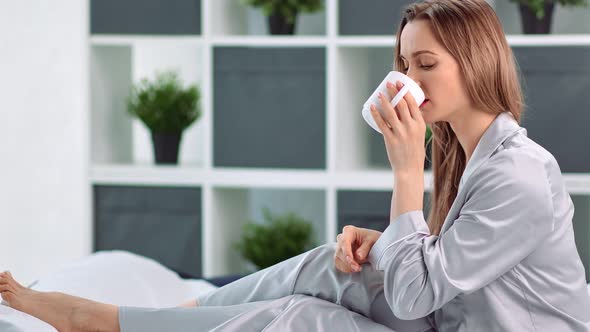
(470, 128)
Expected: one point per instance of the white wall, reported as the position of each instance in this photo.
(44, 195)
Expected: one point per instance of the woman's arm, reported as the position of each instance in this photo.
(408, 193)
(508, 211)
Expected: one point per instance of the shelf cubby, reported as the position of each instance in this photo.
(367, 208)
(359, 71)
(269, 107)
(556, 80)
(232, 208)
(369, 17)
(163, 223)
(116, 137)
(581, 224)
(233, 18)
(140, 17)
(566, 20)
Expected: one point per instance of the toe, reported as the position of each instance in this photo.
(8, 297)
(6, 288)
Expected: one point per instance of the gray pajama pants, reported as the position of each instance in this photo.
(308, 285)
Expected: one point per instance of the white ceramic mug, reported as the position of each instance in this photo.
(392, 76)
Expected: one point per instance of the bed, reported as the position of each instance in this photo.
(132, 280)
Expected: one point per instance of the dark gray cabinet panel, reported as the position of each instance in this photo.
(172, 17)
(269, 107)
(160, 223)
(370, 17)
(556, 82)
(367, 209)
(581, 225)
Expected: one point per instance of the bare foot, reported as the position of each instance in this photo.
(190, 304)
(64, 312)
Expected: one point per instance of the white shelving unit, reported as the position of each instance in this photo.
(121, 152)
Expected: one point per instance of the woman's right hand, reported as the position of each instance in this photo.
(353, 247)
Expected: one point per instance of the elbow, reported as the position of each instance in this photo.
(412, 303)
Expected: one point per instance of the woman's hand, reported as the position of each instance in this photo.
(403, 130)
(354, 245)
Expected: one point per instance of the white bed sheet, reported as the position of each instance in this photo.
(115, 277)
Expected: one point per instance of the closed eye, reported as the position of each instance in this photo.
(425, 67)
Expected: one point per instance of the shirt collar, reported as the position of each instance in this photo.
(503, 126)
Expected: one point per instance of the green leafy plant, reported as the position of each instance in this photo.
(286, 8)
(428, 134)
(163, 105)
(279, 238)
(537, 6)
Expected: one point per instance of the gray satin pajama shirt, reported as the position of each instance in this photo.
(505, 260)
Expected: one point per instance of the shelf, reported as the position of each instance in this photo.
(298, 40)
(381, 180)
(549, 40)
(129, 174)
(270, 41)
(577, 183)
(130, 40)
(282, 119)
(367, 41)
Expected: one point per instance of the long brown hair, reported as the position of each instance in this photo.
(472, 33)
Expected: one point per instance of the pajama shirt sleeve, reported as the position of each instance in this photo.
(507, 211)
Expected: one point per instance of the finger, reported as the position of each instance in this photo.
(383, 127)
(402, 106)
(341, 266)
(363, 251)
(413, 107)
(389, 113)
(392, 90)
(348, 237)
(6, 288)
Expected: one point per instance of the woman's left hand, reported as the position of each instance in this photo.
(403, 130)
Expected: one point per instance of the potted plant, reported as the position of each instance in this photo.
(282, 14)
(166, 108)
(536, 15)
(279, 238)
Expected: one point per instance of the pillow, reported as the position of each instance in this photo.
(121, 278)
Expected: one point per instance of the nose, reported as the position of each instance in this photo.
(415, 78)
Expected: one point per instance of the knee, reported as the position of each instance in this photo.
(327, 249)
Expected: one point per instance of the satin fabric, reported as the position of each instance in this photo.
(506, 258)
(303, 293)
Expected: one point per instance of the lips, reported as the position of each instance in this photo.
(424, 102)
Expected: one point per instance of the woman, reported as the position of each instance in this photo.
(497, 254)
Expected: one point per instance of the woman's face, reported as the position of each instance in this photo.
(428, 63)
